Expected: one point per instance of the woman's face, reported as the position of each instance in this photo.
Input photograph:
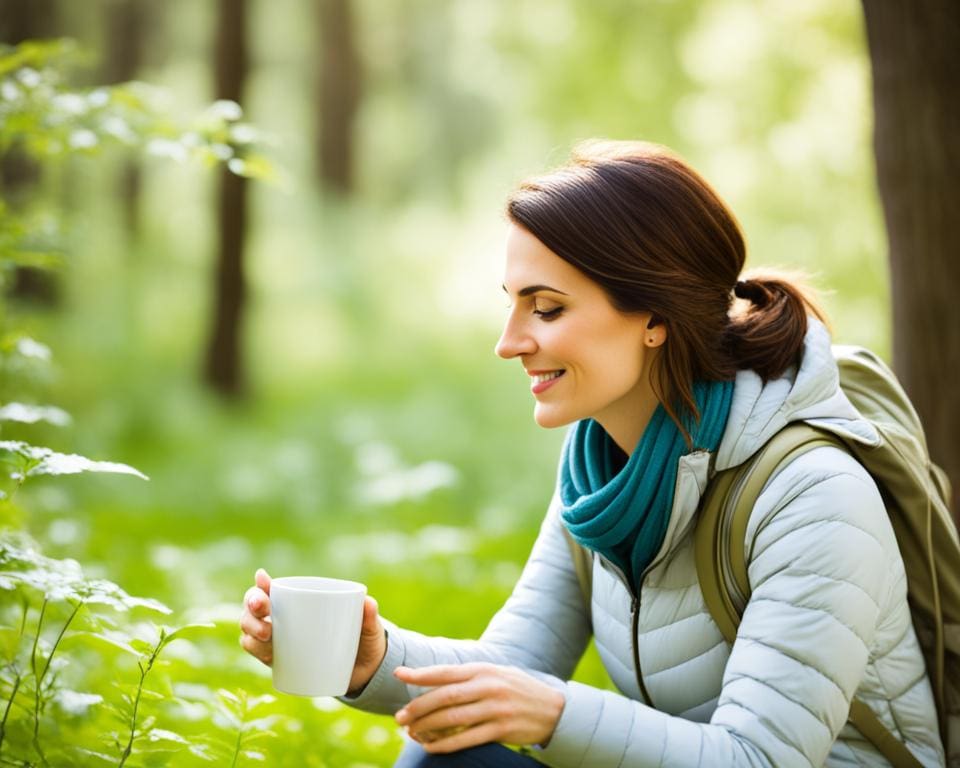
(585, 359)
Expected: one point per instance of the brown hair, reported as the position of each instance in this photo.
(654, 235)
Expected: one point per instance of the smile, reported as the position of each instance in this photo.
(542, 377)
(543, 381)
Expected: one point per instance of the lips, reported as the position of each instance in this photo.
(543, 380)
(542, 377)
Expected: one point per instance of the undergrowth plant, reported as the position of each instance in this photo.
(87, 671)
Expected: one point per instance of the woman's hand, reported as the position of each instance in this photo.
(257, 637)
(473, 704)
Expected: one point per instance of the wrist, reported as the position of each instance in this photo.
(365, 672)
(554, 705)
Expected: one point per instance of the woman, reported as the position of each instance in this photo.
(630, 316)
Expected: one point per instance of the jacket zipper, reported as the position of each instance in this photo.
(635, 618)
(634, 626)
(635, 610)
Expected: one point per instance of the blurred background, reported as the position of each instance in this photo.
(303, 364)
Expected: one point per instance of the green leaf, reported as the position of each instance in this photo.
(148, 695)
(202, 751)
(256, 701)
(76, 702)
(100, 640)
(30, 414)
(159, 734)
(103, 592)
(24, 450)
(53, 463)
(48, 462)
(121, 714)
(143, 647)
(112, 759)
(9, 642)
(262, 723)
(186, 629)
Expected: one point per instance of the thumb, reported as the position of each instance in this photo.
(262, 580)
(371, 616)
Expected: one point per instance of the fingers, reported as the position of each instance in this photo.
(458, 739)
(440, 674)
(438, 700)
(260, 650)
(257, 602)
(262, 580)
(443, 722)
(254, 621)
(256, 628)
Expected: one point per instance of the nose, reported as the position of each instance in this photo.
(515, 341)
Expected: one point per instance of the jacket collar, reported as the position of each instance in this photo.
(808, 392)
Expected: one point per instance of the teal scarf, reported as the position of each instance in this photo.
(620, 511)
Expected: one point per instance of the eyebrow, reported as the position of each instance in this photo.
(531, 289)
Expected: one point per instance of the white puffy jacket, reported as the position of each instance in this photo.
(827, 618)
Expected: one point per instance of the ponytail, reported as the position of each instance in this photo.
(767, 327)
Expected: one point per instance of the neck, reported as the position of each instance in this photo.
(627, 418)
(626, 426)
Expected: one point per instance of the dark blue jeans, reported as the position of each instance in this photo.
(484, 756)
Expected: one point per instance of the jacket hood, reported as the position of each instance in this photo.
(809, 392)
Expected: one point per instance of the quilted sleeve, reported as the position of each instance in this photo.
(543, 627)
(823, 560)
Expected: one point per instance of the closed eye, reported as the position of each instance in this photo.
(548, 314)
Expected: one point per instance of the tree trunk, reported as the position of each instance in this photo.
(224, 369)
(915, 55)
(22, 20)
(338, 81)
(19, 174)
(127, 24)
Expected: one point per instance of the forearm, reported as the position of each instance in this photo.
(543, 628)
(385, 694)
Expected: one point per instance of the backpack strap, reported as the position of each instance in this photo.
(721, 557)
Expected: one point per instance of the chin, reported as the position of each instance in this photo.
(550, 418)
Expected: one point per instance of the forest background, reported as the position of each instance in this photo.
(334, 406)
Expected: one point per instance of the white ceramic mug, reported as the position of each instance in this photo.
(316, 633)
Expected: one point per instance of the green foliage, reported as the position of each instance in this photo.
(43, 117)
(87, 677)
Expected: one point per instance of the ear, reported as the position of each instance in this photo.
(656, 333)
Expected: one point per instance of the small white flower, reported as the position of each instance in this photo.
(166, 148)
(29, 348)
(69, 103)
(9, 91)
(226, 110)
(222, 151)
(83, 139)
(243, 134)
(118, 128)
(29, 77)
(99, 97)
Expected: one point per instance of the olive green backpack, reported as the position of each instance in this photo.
(916, 493)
